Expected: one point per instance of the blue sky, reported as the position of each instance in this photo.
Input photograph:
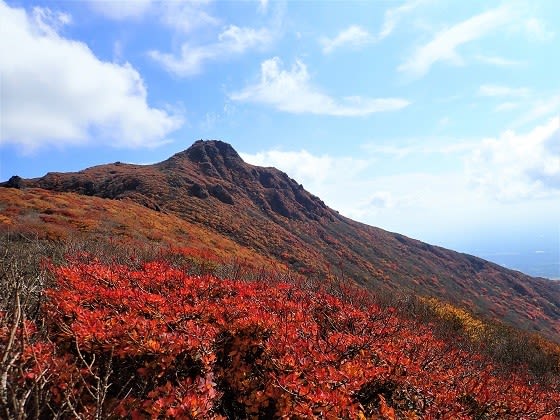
(438, 119)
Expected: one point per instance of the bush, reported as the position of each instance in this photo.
(152, 340)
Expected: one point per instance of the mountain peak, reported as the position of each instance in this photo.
(222, 173)
(210, 150)
(213, 158)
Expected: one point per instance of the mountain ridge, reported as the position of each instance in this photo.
(265, 210)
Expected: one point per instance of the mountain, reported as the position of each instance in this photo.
(267, 212)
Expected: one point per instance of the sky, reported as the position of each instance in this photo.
(437, 119)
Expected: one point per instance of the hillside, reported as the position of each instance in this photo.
(270, 214)
(61, 217)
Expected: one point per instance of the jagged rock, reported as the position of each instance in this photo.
(221, 194)
(197, 190)
(279, 205)
(212, 151)
(15, 182)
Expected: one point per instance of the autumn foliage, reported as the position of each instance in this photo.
(154, 341)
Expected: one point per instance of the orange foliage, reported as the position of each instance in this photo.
(60, 216)
(183, 346)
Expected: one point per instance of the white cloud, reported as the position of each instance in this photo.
(353, 36)
(333, 179)
(443, 47)
(500, 90)
(399, 202)
(393, 16)
(56, 91)
(417, 203)
(519, 166)
(233, 40)
(121, 9)
(291, 91)
(308, 168)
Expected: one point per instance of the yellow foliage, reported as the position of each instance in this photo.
(473, 327)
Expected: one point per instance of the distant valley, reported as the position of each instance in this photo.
(533, 253)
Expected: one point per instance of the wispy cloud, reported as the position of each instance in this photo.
(356, 36)
(185, 16)
(393, 17)
(443, 47)
(290, 90)
(506, 106)
(498, 61)
(353, 36)
(50, 22)
(427, 146)
(181, 15)
(232, 41)
(540, 108)
(263, 6)
(534, 105)
(500, 90)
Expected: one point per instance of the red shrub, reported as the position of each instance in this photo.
(155, 342)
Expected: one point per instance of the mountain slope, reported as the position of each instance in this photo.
(42, 214)
(265, 210)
